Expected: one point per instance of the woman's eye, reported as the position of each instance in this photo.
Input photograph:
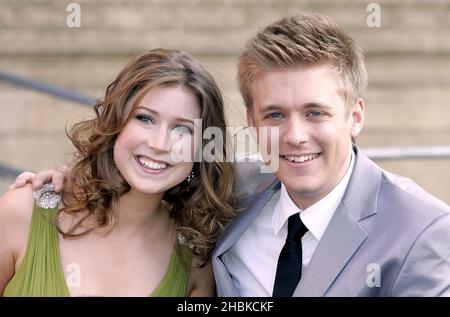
(180, 129)
(144, 118)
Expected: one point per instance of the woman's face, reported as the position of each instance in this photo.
(162, 124)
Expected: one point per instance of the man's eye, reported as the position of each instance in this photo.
(180, 129)
(275, 115)
(314, 114)
(145, 118)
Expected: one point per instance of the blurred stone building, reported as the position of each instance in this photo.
(408, 61)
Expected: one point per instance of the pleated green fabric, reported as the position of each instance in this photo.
(40, 273)
(174, 282)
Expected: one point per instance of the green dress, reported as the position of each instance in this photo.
(41, 274)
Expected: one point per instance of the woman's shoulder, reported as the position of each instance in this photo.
(17, 199)
(16, 209)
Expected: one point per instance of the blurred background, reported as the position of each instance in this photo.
(408, 61)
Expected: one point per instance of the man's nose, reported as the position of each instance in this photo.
(296, 131)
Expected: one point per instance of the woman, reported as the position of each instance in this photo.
(133, 219)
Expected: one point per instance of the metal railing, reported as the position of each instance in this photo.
(7, 170)
(53, 90)
(382, 153)
(402, 153)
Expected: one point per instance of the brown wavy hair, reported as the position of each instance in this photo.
(202, 208)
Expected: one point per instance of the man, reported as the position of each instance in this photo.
(333, 223)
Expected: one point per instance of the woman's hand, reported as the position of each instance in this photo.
(57, 177)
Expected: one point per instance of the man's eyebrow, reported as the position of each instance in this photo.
(270, 108)
(178, 119)
(306, 106)
(320, 105)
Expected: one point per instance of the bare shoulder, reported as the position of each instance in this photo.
(16, 208)
(201, 279)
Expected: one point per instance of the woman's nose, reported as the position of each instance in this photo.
(160, 140)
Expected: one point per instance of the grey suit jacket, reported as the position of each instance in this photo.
(388, 237)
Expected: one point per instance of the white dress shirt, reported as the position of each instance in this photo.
(252, 261)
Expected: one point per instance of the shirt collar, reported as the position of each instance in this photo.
(317, 216)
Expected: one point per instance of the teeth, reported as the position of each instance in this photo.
(151, 164)
(301, 159)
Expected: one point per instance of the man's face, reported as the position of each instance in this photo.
(315, 128)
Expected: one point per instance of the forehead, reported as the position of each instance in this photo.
(296, 86)
(171, 101)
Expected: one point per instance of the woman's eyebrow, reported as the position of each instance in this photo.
(179, 119)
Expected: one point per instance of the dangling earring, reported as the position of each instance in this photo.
(190, 176)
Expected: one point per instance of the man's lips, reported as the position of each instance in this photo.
(300, 158)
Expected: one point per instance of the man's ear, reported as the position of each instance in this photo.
(250, 121)
(357, 118)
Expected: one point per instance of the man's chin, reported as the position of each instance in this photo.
(297, 182)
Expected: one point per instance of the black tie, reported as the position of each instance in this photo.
(289, 268)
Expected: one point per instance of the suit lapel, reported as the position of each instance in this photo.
(243, 221)
(340, 241)
(344, 233)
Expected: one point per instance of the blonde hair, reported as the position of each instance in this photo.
(304, 39)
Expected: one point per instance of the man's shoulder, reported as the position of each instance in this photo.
(403, 193)
(251, 178)
(423, 221)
